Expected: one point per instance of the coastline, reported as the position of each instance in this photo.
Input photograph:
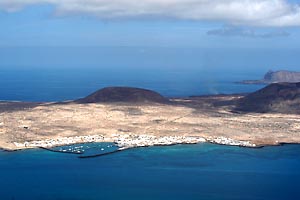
(129, 141)
(169, 141)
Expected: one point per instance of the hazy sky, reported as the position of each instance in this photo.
(204, 23)
(212, 24)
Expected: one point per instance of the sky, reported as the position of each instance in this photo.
(66, 29)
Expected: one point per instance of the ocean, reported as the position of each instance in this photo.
(66, 84)
(201, 172)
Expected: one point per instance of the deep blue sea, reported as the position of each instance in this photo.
(65, 84)
(195, 172)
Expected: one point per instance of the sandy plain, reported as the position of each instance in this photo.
(208, 117)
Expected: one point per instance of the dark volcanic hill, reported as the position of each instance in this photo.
(124, 94)
(276, 97)
(276, 77)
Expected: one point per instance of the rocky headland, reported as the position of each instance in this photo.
(276, 77)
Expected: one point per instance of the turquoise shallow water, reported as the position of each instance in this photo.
(202, 171)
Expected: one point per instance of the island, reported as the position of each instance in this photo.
(135, 117)
(276, 77)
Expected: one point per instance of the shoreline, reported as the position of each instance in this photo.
(128, 148)
(125, 142)
(131, 141)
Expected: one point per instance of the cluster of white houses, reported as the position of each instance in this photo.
(129, 141)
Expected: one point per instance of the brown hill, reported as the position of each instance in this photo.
(276, 97)
(124, 94)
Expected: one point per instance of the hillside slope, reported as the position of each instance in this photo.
(276, 97)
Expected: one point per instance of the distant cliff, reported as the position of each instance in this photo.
(276, 98)
(276, 77)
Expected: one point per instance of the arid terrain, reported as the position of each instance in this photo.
(204, 116)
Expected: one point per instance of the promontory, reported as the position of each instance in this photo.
(276, 77)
